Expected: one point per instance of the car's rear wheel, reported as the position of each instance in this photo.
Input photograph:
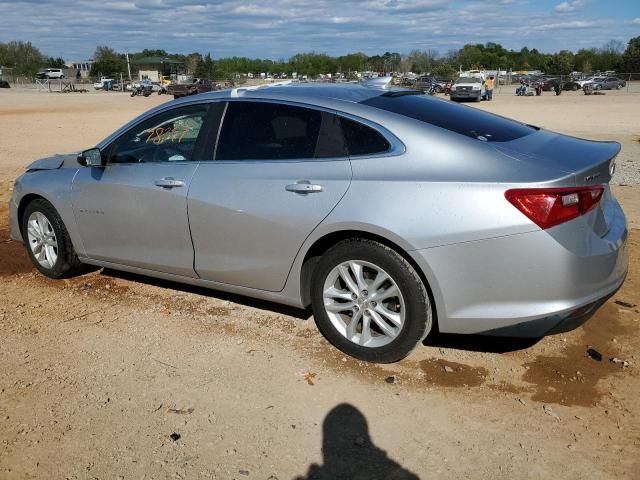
(369, 301)
(48, 243)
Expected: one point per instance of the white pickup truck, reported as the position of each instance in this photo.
(468, 88)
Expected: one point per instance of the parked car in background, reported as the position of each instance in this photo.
(427, 84)
(392, 213)
(147, 84)
(584, 80)
(104, 83)
(467, 88)
(549, 84)
(50, 73)
(198, 85)
(607, 83)
(4, 84)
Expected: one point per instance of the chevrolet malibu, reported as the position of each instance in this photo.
(391, 213)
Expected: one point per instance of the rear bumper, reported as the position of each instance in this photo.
(527, 285)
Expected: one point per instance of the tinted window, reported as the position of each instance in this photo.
(268, 131)
(167, 137)
(361, 139)
(451, 116)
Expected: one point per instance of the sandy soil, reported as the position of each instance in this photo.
(98, 371)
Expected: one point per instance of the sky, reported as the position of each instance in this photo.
(277, 29)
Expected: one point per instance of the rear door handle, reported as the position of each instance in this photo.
(169, 182)
(304, 187)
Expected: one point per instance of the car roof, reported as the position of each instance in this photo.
(345, 97)
(305, 92)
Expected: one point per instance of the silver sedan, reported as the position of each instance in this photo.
(390, 213)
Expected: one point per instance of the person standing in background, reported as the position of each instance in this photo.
(488, 88)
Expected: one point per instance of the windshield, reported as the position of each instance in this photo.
(466, 121)
(469, 80)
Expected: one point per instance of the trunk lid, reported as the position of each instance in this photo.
(588, 161)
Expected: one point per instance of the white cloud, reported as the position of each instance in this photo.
(280, 28)
(570, 6)
(570, 25)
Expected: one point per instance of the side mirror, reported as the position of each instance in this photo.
(91, 158)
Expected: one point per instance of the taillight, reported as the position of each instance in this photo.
(547, 207)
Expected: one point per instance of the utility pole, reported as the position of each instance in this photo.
(128, 65)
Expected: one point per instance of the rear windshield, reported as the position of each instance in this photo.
(457, 118)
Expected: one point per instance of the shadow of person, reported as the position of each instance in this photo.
(349, 453)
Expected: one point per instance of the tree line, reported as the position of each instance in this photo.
(26, 59)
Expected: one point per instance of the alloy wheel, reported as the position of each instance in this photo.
(42, 240)
(364, 303)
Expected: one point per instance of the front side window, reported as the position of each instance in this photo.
(268, 131)
(167, 137)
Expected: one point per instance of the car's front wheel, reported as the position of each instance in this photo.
(369, 301)
(48, 243)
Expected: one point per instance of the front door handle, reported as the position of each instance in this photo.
(304, 187)
(169, 182)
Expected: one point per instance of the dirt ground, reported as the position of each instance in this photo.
(97, 372)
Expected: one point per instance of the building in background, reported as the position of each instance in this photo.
(155, 67)
(83, 66)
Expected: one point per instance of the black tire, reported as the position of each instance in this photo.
(418, 315)
(67, 263)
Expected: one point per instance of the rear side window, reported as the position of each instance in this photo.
(466, 121)
(361, 139)
(268, 131)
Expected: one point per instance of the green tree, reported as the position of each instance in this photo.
(470, 56)
(631, 56)
(55, 62)
(560, 63)
(107, 62)
(205, 67)
(23, 57)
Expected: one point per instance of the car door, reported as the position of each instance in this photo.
(133, 210)
(279, 170)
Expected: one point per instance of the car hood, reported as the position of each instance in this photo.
(69, 160)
